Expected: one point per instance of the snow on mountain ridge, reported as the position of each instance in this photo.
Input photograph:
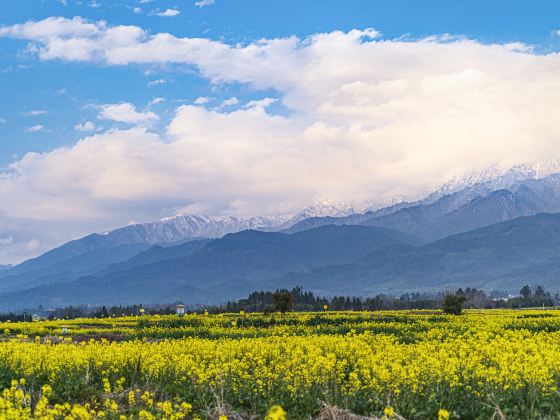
(494, 179)
(185, 226)
(326, 208)
(547, 168)
(387, 202)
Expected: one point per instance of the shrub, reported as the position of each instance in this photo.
(453, 304)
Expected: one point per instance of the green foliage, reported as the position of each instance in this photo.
(453, 304)
(283, 301)
(525, 291)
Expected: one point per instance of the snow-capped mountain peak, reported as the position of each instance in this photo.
(494, 179)
(325, 208)
(185, 226)
(546, 168)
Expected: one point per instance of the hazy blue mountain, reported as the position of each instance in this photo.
(97, 251)
(492, 179)
(352, 219)
(128, 254)
(502, 256)
(188, 226)
(350, 260)
(155, 254)
(405, 216)
(60, 270)
(224, 268)
(455, 193)
(66, 252)
(473, 208)
(477, 205)
(459, 206)
(165, 231)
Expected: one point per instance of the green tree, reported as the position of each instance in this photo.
(540, 292)
(453, 304)
(283, 301)
(525, 292)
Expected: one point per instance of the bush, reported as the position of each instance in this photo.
(283, 301)
(453, 304)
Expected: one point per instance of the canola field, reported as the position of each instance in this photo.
(390, 364)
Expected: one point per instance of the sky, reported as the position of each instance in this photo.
(116, 112)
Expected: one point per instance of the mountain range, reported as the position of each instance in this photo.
(492, 230)
(234, 264)
(502, 256)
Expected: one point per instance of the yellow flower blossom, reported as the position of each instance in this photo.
(443, 414)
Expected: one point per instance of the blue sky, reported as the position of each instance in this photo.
(64, 89)
(116, 112)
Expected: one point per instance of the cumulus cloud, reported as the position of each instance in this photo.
(167, 13)
(260, 103)
(35, 128)
(201, 100)
(126, 113)
(204, 3)
(52, 28)
(85, 126)
(229, 102)
(364, 118)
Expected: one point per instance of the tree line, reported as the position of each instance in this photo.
(468, 298)
(296, 299)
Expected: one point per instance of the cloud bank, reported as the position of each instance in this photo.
(367, 118)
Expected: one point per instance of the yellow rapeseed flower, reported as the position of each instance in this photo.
(443, 414)
(389, 412)
(276, 412)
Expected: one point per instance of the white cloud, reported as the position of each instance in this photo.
(2, 120)
(34, 113)
(260, 103)
(229, 102)
(33, 245)
(35, 128)
(157, 100)
(53, 28)
(204, 3)
(201, 100)
(8, 240)
(85, 126)
(156, 82)
(126, 112)
(137, 10)
(167, 13)
(366, 118)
